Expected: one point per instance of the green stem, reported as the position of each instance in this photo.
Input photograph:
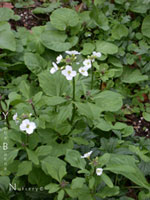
(92, 77)
(73, 98)
(27, 139)
(34, 110)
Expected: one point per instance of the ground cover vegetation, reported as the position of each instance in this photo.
(75, 100)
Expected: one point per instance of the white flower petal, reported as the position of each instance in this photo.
(83, 71)
(33, 125)
(87, 155)
(52, 70)
(58, 59)
(29, 130)
(87, 63)
(99, 171)
(26, 121)
(68, 68)
(73, 73)
(15, 116)
(54, 65)
(69, 78)
(64, 72)
(97, 54)
(74, 52)
(22, 127)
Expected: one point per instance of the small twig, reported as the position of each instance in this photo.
(33, 107)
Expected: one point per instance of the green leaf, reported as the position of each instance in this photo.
(107, 180)
(64, 17)
(24, 168)
(43, 150)
(109, 101)
(52, 187)
(11, 155)
(64, 113)
(125, 165)
(104, 159)
(61, 194)
(139, 152)
(146, 116)
(87, 48)
(38, 177)
(34, 62)
(14, 98)
(106, 47)
(119, 126)
(146, 26)
(92, 182)
(130, 75)
(108, 192)
(15, 135)
(6, 14)
(73, 157)
(4, 182)
(144, 196)
(62, 172)
(119, 31)
(48, 9)
(99, 18)
(99, 2)
(32, 156)
(53, 84)
(25, 89)
(102, 125)
(77, 183)
(34, 40)
(7, 40)
(55, 167)
(89, 110)
(120, 1)
(138, 7)
(55, 40)
(55, 100)
(129, 130)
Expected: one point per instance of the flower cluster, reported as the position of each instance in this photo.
(26, 124)
(67, 70)
(99, 171)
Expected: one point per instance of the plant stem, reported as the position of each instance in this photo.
(26, 139)
(92, 77)
(33, 107)
(73, 98)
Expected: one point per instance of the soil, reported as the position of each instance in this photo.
(140, 125)
(27, 18)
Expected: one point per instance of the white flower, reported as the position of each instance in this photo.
(72, 52)
(97, 54)
(27, 126)
(58, 59)
(15, 116)
(83, 71)
(87, 63)
(54, 68)
(99, 171)
(87, 155)
(68, 72)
